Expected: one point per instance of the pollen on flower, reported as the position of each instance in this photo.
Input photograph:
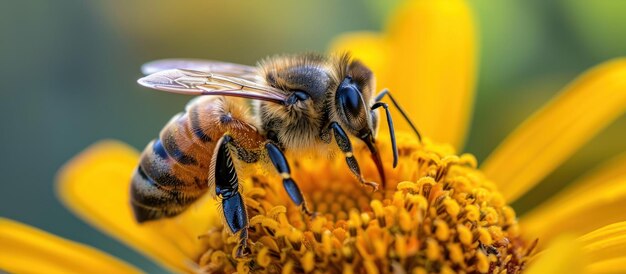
(437, 213)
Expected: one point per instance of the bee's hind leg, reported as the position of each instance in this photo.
(280, 163)
(227, 189)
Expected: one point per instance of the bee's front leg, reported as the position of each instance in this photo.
(346, 147)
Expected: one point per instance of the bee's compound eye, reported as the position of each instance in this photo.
(349, 99)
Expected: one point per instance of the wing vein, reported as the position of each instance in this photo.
(191, 82)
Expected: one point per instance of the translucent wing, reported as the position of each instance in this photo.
(227, 69)
(193, 82)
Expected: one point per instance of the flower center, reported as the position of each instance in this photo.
(437, 213)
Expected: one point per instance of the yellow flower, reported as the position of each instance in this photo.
(27, 250)
(439, 211)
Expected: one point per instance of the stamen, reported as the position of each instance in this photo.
(437, 214)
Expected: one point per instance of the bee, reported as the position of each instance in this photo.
(246, 114)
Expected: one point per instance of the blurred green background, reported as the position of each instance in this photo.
(68, 71)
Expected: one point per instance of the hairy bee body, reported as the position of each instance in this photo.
(173, 169)
(299, 103)
(298, 126)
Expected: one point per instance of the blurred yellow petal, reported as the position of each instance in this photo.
(580, 214)
(614, 266)
(606, 172)
(541, 219)
(369, 47)
(432, 66)
(564, 255)
(95, 185)
(427, 58)
(25, 249)
(556, 131)
(606, 243)
(600, 251)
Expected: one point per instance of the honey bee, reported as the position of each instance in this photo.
(246, 114)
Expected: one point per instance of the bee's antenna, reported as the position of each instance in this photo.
(382, 94)
(392, 133)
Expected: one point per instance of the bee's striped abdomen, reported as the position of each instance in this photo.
(173, 170)
(159, 188)
(151, 201)
(170, 175)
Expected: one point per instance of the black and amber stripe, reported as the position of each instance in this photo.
(169, 177)
(156, 191)
(174, 169)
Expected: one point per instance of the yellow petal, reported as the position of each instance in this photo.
(581, 214)
(613, 266)
(24, 249)
(606, 243)
(606, 249)
(432, 66)
(541, 221)
(369, 47)
(564, 255)
(556, 131)
(95, 185)
(609, 170)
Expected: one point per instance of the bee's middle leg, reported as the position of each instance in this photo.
(227, 189)
(280, 163)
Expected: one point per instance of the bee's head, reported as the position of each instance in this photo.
(353, 101)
